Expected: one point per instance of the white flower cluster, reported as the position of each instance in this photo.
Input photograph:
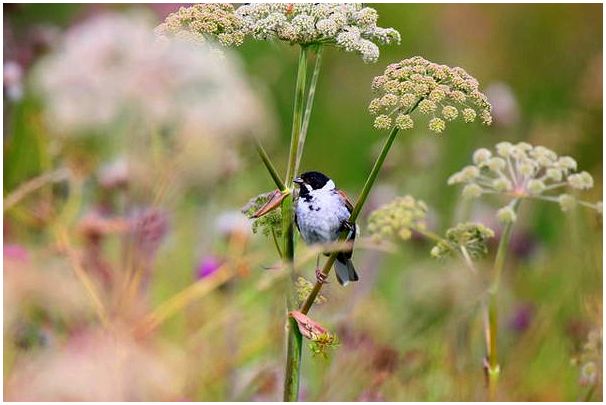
(114, 65)
(350, 27)
(439, 91)
(523, 171)
(202, 21)
(112, 76)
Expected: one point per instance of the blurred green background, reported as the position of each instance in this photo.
(411, 328)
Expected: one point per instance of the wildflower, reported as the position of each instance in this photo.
(420, 84)
(450, 113)
(383, 122)
(472, 191)
(398, 218)
(113, 65)
(271, 222)
(437, 125)
(350, 27)
(207, 267)
(204, 21)
(524, 171)
(403, 121)
(506, 215)
(473, 237)
(469, 115)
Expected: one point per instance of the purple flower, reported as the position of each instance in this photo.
(522, 317)
(207, 266)
(15, 252)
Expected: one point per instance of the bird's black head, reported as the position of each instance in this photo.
(315, 180)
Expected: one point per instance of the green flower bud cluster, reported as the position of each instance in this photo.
(442, 92)
(523, 171)
(272, 221)
(471, 236)
(203, 21)
(304, 287)
(398, 219)
(321, 344)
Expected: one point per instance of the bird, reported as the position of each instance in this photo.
(321, 213)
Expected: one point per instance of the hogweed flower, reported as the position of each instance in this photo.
(398, 219)
(523, 171)
(439, 91)
(201, 22)
(470, 237)
(350, 27)
(113, 67)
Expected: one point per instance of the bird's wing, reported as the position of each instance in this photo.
(345, 199)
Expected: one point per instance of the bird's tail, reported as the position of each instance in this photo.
(344, 270)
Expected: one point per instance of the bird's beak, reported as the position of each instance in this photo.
(298, 181)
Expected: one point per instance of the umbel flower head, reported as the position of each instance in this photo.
(203, 21)
(523, 171)
(398, 218)
(441, 92)
(350, 27)
(472, 237)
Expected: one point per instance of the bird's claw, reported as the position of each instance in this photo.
(347, 226)
(320, 277)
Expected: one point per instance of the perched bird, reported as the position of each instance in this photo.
(321, 213)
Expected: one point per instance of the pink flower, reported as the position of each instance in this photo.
(207, 267)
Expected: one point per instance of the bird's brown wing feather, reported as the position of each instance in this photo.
(346, 200)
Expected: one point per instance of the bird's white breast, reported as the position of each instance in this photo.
(319, 219)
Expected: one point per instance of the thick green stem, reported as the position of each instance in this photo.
(293, 350)
(492, 362)
(297, 120)
(309, 106)
(372, 177)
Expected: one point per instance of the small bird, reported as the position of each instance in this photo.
(321, 212)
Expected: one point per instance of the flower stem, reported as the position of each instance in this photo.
(308, 106)
(297, 120)
(493, 369)
(372, 177)
(293, 350)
